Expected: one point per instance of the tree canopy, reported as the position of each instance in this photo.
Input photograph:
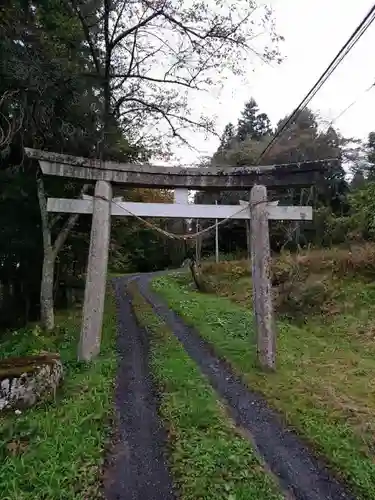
(304, 140)
(102, 78)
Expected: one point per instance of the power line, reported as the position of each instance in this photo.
(342, 112)
(352, 104)
(343, 52)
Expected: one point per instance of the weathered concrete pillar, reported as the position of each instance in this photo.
(96, 278)
(261, 279)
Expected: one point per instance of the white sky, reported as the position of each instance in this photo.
(314, 32)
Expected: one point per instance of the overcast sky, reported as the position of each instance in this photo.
(314, 32)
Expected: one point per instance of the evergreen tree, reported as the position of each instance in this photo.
(252, 124)
(227, 138)
(371, 156)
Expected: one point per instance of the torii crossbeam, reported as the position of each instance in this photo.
(207, 178)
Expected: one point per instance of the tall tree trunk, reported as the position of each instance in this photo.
(50, 253)
(47, 316)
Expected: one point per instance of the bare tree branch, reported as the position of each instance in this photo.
(54, 220)
(86, 30)
(119, 16)
(169, 116)
(126, 75)
(131, 30)
(156, 80)
(155, 51)
(69, 224)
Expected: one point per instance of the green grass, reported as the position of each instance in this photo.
(55, 450)
(324, 383)
(209, 459)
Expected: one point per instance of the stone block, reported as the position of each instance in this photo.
(26, 380)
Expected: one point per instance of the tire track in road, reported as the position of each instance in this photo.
(137, 468)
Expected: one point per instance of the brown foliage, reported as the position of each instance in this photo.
(304, 284)
(146, 195)
(338, 262)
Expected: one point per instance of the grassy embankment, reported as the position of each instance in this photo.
(208, 458)
(324, 385)
(55, 450)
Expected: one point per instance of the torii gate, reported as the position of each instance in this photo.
(102, 206)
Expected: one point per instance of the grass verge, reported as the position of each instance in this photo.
(209, 460)
(55, 450)
(324, 381)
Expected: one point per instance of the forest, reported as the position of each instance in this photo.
(69, 85)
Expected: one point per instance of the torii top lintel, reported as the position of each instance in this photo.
(146, 175)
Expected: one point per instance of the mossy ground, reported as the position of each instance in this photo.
(55, 450)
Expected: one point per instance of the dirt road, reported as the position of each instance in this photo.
(140, 471)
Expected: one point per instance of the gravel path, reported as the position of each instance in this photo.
(298, 470)
(137, 467)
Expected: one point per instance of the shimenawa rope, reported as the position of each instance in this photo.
(175, 236)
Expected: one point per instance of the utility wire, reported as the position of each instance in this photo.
(342, 112)
(331, 122)
(337, 117)
(343, 52)
(352, 104)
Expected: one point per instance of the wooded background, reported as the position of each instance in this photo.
(75, 78)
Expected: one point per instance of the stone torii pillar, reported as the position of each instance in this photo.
(261, 279)
(96, 277)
